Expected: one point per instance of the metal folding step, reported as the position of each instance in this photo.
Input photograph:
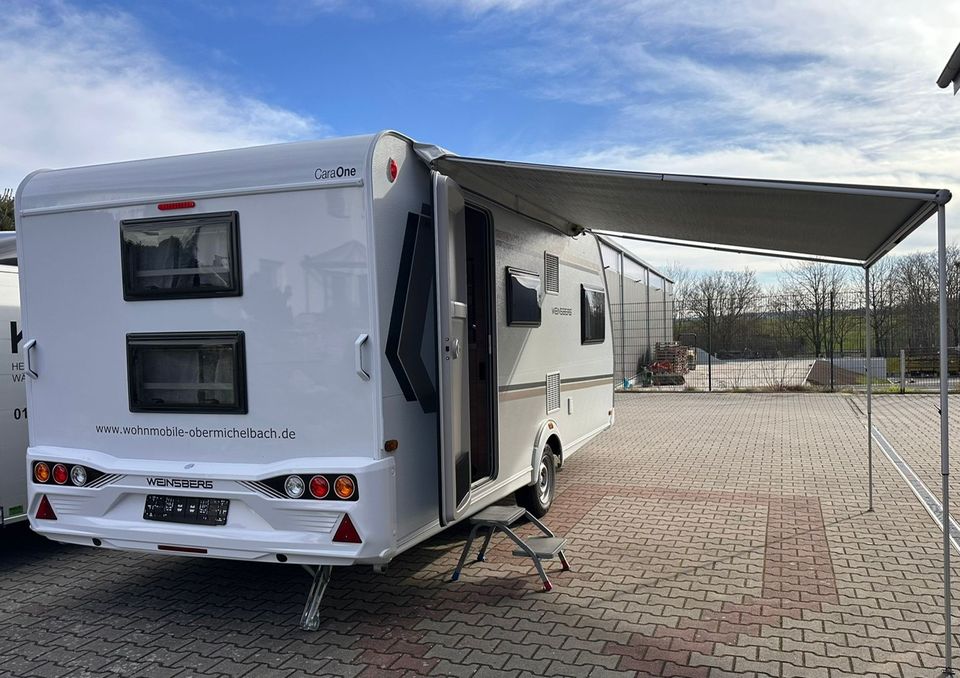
(499, 519)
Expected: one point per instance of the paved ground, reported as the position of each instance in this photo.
(911, 424)
(711, 535)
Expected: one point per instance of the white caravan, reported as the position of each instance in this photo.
(13, 397)
(319, 353)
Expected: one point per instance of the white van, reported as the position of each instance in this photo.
(13, 397)
(319, 353)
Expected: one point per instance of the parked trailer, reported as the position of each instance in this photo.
(13, 401)
(319, 353)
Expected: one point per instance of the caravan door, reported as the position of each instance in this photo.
(454, 370)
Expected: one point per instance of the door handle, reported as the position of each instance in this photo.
(456, 349)
(27, 352)
(358, 357)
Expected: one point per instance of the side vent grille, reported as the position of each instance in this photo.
(553, 392)
(551, 274)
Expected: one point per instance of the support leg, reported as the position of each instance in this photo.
(466, 550)
(310, 621)
(563, 561)
(547, 586)
(543, 528)
(486, 543)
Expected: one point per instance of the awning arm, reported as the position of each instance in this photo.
(729, 248)
(941, 197)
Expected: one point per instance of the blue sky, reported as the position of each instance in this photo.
(812, 90)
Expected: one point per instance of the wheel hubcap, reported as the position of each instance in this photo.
(543, 484)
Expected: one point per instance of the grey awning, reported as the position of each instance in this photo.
(841, 222)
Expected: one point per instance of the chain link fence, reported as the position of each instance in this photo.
(779, 343)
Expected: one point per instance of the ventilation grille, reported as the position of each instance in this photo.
(553, 392)
(551, 274)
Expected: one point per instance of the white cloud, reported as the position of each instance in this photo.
(822, 90)
(84, 87)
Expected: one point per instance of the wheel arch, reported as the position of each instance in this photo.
(549, 432)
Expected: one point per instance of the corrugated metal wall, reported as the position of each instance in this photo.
(641, 303)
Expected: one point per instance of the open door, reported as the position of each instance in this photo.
(454, 369)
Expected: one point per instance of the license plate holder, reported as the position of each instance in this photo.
(189, 510)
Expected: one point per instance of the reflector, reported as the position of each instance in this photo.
(347, 533)
(45, 510)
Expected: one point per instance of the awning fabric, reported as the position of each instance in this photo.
(856, 224)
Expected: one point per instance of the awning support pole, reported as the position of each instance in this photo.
(945, 430)
(868, 341)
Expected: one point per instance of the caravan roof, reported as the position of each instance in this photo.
(291, 166)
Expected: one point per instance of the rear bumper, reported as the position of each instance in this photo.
(259, 526)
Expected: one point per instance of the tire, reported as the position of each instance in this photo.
(538, 498)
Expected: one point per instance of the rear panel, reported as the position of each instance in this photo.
(305, 300)
(13, 405)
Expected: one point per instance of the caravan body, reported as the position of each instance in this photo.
(13, 402)
(319, 353)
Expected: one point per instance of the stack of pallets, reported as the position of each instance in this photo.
(672, 357)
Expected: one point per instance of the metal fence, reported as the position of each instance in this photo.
(779, 342)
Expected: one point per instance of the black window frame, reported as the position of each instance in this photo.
(511, 321)
(584, 315)
(188, 339)
(236, 275)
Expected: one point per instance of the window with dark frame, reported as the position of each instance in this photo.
(198, 372)
(523, 298)
(593, 315)
(181, 257)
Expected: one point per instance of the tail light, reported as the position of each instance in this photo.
(41, 472)
(319, 487)
(346, 533)
(45, 510)
(64, 474)
(60, 474)
(293, 486)
(78, 475)
(344, 487)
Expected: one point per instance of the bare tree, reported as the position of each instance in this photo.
(883, 282)
(916, 276)
(721, 300)
(810, 287)
(683, 281)
(6, 210)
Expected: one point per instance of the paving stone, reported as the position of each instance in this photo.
(711, 535)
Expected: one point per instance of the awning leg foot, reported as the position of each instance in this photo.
(310, 621)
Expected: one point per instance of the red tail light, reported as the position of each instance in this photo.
(319, 487)
(347, 533)
(59, 474)
(45, 510)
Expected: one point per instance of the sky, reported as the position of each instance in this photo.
(814, 90)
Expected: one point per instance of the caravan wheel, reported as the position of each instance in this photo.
(537, 498)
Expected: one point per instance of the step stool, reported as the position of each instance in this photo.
(499, 519)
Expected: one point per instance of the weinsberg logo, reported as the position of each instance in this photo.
(181, 482)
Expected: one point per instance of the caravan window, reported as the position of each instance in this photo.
(178, 257)
(523, 298)
(187, 372)
(593, 315)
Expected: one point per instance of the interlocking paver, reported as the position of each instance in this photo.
(710, 535)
